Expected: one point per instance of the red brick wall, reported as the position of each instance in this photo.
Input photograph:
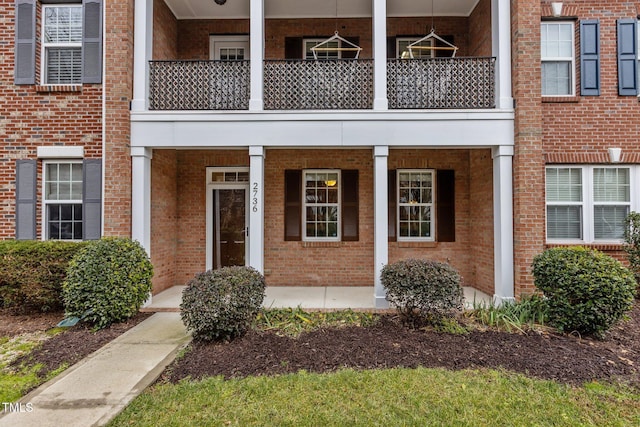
(31, 116)
(164, 218)
(480, 30)
(118, 88)
(315, 263)
(481, 255)
(193, 35)
(165, 32)
(191, 206)
(455, 253)
(569, 130)
(528, 189)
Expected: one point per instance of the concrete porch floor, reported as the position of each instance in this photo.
(310, 298)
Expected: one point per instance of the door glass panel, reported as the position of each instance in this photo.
(229, 229)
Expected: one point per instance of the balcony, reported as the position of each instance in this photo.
(449, 83)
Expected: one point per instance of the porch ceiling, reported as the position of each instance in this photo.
(208, 9)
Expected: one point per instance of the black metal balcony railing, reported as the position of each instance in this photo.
(339, 84)
(456, 83)
(199, 85)
(441, 83)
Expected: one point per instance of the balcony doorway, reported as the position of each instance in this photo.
(229, 48)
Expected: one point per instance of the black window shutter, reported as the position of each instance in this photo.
(26, 198)
(91, 199)
(391, 47)
(350, 208)
(350, 54)
(590, 57)
(25, 48)
(292, 205)
(92, 41)
(446, 203)
(444, 53)
(293, 48)
(392, 204)
(627, 57)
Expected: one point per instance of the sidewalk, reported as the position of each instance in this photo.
(96, 389)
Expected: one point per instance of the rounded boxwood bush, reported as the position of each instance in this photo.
(586, 291)
(107, 281)
(222, 304)
(423, 289)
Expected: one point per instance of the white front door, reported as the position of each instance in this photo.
(229, 48)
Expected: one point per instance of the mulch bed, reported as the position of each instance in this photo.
(387, 344)
(68, 347)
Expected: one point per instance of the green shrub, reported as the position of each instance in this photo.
(32, 272)
(423, 290)
(222, 304)
(107, 281)
(586, 291)
(632, 243)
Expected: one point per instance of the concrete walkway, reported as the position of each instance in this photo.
(96, 389)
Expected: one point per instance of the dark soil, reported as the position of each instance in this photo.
(68, 347)
(386, 344)
(564, 358)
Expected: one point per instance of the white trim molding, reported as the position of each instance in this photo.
(60, 152)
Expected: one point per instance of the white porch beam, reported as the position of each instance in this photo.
(503, 223)
(141, 196)
(380, 101)
(501, 47)
(142, 53)
(256, 44)
(256, 208)
(381, 215)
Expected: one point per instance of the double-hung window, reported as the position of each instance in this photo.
(62, 198)
(588, 203)
(402, 48)
(558, 58)
(328, 51)
(321, 210)
(415, 204)
(62, 44)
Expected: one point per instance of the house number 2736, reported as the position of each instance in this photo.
(254, 197)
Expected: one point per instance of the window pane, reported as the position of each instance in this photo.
(64, 65)
(564, 222)
(564, 185)
(64, 221)
(611, 185)
(556, 78)
(609, 221)
(322, 204)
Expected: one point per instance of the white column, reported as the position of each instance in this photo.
(501, 47)
(141, 196)
(380, 101)
(256, 208)
(256, 46)
(381, 218)
(142, 53)
(503, 222)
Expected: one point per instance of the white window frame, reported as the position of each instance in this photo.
(418, 54)
(432, 205)
(307, 44)
(571, 59)
(46, 46)
(306, 204)
(46, 202)
(588, 203)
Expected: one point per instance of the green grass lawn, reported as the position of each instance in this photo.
(15, 381)
(394, 397)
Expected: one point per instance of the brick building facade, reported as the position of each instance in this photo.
(213, 142)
